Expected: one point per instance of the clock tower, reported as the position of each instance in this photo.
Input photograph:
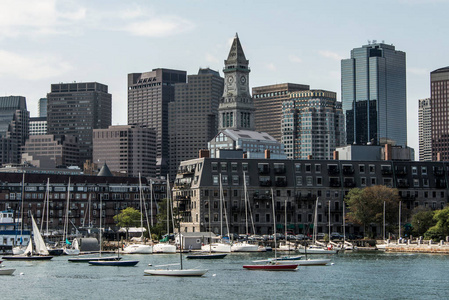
(236, 109)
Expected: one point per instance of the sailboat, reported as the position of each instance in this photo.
(20, 249)
(69, 248)
(219, 246)
(140, 248)
(274, 265)
(166, 247)
(114, 263)
(86, 259)
(39, 252)
(178, 272)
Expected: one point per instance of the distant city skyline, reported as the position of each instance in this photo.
(44, 42)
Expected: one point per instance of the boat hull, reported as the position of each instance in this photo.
(207, 256)
(314, 262)
(4, 271)
(186, 272)
(272, 267)
(317, 251)
(244, 247)
(88, 259)
(25, 257)
(164, 248)
(117, 263)
(216, 247)
(138, 249)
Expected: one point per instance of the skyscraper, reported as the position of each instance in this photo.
(439, 95)
(268, 103)
(193, 115)
(78, 108)
(312, 125)
(149, 95)
(42, 108)
(425, 129)
(14, 118)
(373, 85)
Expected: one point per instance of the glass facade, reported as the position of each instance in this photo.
(374, 95)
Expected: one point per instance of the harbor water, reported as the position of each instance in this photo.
(357, 275)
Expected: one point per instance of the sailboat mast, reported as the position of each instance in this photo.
(274, 224)
(285, 209)
(151, 202)
(101, 215)
(384, 221)
(21, 209)
(246, 204)
(48, 202)
(344, 223)
(221, 208)
(141, 215)
(168, 208)
(66, 223)
(329, 217)
(400, 204)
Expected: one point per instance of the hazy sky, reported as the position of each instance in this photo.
(44, 42)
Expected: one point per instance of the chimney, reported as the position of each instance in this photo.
(335, 155)
(439, 156)
(388, 152)
(309, 156)
(245, 155)
(267, 154)
(204, 153)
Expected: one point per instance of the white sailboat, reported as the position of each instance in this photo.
(244, 246)
(38, 252)
(69, 247)
(219, 246)
(140, 248)
(20, 249)
(166, 247)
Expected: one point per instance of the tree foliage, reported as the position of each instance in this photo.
(441, 228)
(422, 220)
(160, 228)
(366, 206)
(128, 217)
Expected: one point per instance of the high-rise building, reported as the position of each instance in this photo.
(14, 118)
(128, 149)
(312, 125)
(439, 97)
(149, 94)
(50, 151)
(38, 125)
(42, 107)
(373, 86)
(236, 112)
(78, 108)
(193, 116)
(425, 129)
(268, 103)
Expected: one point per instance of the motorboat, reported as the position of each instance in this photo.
(138, 249)
(244, 247)
(217, 247)
(314, 249)
(6, 271)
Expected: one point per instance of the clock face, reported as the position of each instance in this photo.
(243, 79)
(230, 79)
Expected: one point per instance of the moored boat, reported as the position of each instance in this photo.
(207, 256)
(6, 271)
(183, 272)
(272, 267)
(114, 263)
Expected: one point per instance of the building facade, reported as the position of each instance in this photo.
(439, 95)
(78, 108)
(128, 149)
(193, 116)
(425, 129)
(373, 91)
(42, 108)
(14, 120)
(50, 151)
(149, 95)
(38, 126)
(300, 185)
(312, 124)
(268, 104)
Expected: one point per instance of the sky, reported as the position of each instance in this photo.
(51, 41)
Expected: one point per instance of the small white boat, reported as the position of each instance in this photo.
(313, 262)
(312, 249)
(183, 272)
(164, 248)
(5, 271)
(138, 249)
(18, 250)
(216, 247)
(244, 247)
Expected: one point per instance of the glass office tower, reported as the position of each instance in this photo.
(373, 87)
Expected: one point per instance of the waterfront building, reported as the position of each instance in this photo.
(14, 120)
(374, 152)
(373, 92)
(268, 101)
(78, 108)
(116, 193)
(149, 95)
(50, 151)
(236, 111)
(439, 97)
(297, 184)
(38, 125)
(193, 116)
(127, 149)
(312, 124)
(425, 129)
(42, 108)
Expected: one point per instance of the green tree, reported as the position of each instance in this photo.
(128, 217)
(366, 206)
(422, 220)
(441, 228)
(160, 228)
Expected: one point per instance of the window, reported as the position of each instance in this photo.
(308, 168)
(224, 167)
(317, 168)
(319, 181)
(309, 180)
(297, 168)
(214, 166)
(363, 181)
(267, 218)
(298, 180)
(245, 167)
(425, 182)
(416, 182)
(372, 169)
(215, 179)
(234, 167)
(235, 179)
(362, 169)
(373, 180)
(414, 170)
(423, 170)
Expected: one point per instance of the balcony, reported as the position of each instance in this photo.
(438, 172)
(349, 184)
(334, 183)
(264, 169)
(386, 171)
(265, 183)
(401, 171)
(333, 170)
(306, 197)
(257, 196)
(402, 184)
(440, 184)
(279, 170)
(348, 170)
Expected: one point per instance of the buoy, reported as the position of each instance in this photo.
(213, 275)
(21, 273)
(150, 265)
